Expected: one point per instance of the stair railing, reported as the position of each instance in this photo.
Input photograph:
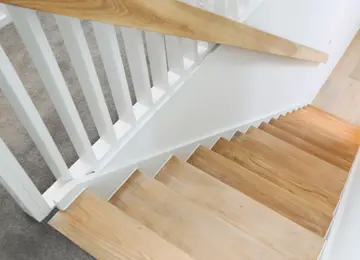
(204, 20)
(158, 65)
(160, 59)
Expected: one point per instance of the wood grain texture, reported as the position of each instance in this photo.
(306, 146)
(107, 233)
(287, 173)
(175, 18)
(338, 127)
(340, 95)
(322, 167)
(313, 137)
(197, 231)
(318, 110)
(279, 233)
(267, 193)
(327, 127)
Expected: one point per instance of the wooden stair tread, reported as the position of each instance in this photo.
(314, 138)
(329, 126)
(329, 171)
(279, 233)
(333, 130)
(287, 173)
(267, 193)
(107, 233)
(197, 231)
(331, 116)
(306, 146)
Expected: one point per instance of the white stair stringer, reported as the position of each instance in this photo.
(106, 183)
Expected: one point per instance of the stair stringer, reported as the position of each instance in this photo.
(343, 234)
(106, 183)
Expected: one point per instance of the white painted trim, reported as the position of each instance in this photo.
(107, 183)
(5, 18)
(57, 192)
(339, 218)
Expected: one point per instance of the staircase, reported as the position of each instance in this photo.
(269, 193)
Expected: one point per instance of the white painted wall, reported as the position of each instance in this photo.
(4, 16)
(233, 85)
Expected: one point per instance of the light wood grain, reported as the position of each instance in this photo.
(279, 233)
(107, 233)
(197, 231)
(330, 128)
(341, 93)
(313, 137)
(267, 193)
(337, 127)
(325, 169)
(175, 18)
(306, 146)
(287, 173)
(331, 116)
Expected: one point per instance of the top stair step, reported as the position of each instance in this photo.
(108, 233)
(277, 232)
(197, 231)
(287, 149)
(306, 146)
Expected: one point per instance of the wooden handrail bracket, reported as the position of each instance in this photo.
(175, 18)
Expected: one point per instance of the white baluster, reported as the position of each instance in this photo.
(155, 43)
(190, 49)
(135, 52)
(109, 48)
(23, 106)
(79, 52)
(174, 54)
(19, 185)
(30, 30)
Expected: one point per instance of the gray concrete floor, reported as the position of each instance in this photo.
(20, 236)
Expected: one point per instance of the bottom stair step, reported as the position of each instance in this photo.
(197, 231)
(260, 222)
(267, 193)
(108, 233)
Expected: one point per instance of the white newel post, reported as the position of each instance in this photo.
(19, 185)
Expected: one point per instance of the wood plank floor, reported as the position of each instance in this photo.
(341, 93)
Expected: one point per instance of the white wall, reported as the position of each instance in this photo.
(233, 85)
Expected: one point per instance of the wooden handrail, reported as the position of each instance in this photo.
(175, 18)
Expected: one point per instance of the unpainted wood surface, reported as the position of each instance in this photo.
(345, 133)
(267, 193)
(306, 146)
(325, 169)
(287, 173)
(197, 231)
(314, 138)
(277, 232)
(341, 93)
(327, 128)
(108, 233)
(175, 18)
